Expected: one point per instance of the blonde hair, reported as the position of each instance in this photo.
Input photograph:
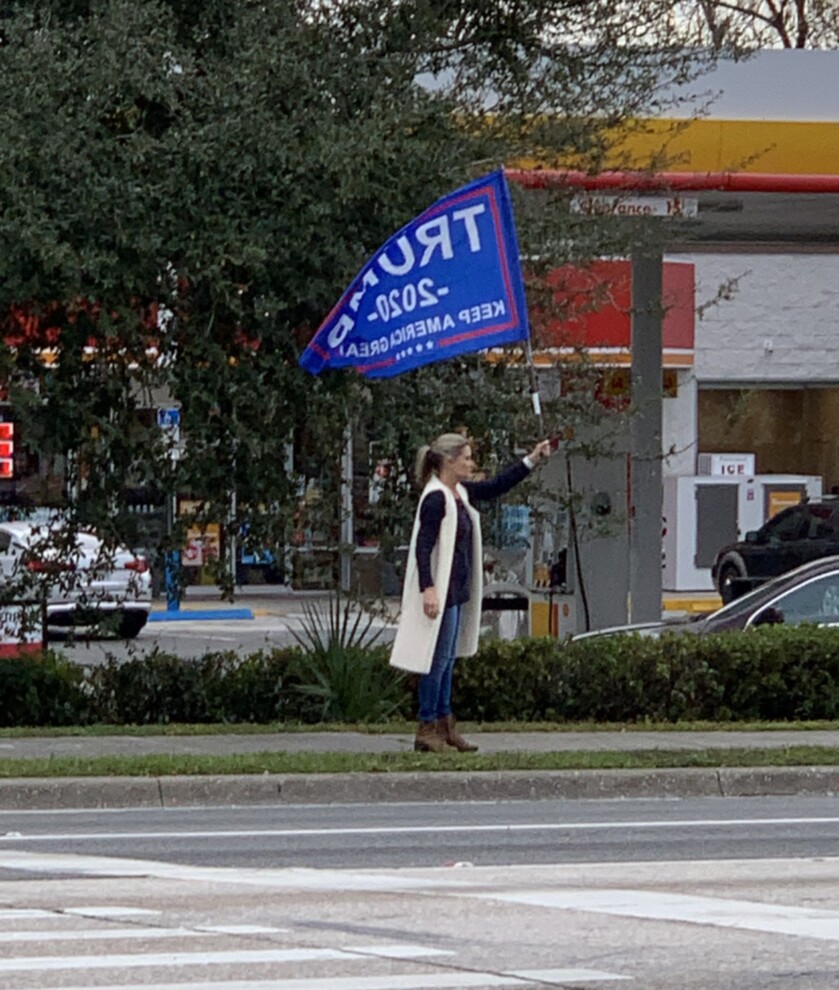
(430, 458)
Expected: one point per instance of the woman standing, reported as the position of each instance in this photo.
(441, 599)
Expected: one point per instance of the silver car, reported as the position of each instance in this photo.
(83, 581)
(809, 593)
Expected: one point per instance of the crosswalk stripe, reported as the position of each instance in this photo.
(10, 914)
(109, 911)
(296, 878)
(99, 934)
(397, 951)
(395, 981)
(173, 959)
(779, 919)
(244, 957)
(567, 975)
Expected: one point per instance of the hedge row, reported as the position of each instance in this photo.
(769, 673)
(275, 685)
(772, 673)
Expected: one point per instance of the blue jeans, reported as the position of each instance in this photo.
(435, 687)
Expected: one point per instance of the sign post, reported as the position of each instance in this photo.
(169, 421)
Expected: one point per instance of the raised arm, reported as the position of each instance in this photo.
(484, 491)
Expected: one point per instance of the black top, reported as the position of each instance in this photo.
(432, 510)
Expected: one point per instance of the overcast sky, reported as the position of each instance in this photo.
(783, 84)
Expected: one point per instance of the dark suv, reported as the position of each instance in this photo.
(794, 536)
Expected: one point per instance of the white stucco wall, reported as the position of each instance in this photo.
(780, 324)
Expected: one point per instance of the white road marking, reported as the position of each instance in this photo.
(244, 957)
(100, 934)
(610, 826)
(109, 911)
(7, 914)
(396, 981)
(397, 951)
(566, 975)
(779, 919)
(282, 878)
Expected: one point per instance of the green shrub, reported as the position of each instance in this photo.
(349, 684)
(218, 687)
(249, 689)
(760, 674)
(157, 688)
(42, 689)
(341, 673)
(507, 680)
(777, 672)
(773, 673)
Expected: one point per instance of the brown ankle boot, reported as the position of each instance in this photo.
(428, 739)
(448, 731)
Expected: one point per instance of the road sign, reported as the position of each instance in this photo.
(169, 419)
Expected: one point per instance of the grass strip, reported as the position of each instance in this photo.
(290, 763)
(386, 728)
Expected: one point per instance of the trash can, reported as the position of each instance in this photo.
(505, 610)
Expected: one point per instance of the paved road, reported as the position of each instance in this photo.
(410, 834)
(698, 924)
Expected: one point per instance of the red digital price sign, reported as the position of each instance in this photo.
(7, 450)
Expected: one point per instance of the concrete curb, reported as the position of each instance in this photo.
(29, 794)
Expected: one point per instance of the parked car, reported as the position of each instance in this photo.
(809, 593)
(794, 536)
(84, 581)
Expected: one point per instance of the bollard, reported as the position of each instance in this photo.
(173, 567)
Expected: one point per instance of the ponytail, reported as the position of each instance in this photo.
(426, 465)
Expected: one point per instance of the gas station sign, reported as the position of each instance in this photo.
(635, 206)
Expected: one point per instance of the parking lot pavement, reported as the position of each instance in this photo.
(279, 601)
(258, 601)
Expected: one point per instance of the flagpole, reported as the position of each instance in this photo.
(534, 386)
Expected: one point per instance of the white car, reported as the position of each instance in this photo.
(84, 583)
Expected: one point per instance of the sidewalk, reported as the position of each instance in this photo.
(435, 785)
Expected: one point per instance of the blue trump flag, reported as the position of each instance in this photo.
(447, 283)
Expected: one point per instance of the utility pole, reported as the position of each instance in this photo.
(645, 495)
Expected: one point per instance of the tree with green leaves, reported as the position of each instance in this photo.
(186, 189)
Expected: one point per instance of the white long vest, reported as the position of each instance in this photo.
(416, 636)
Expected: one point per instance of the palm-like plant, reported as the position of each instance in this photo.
(342, 668)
